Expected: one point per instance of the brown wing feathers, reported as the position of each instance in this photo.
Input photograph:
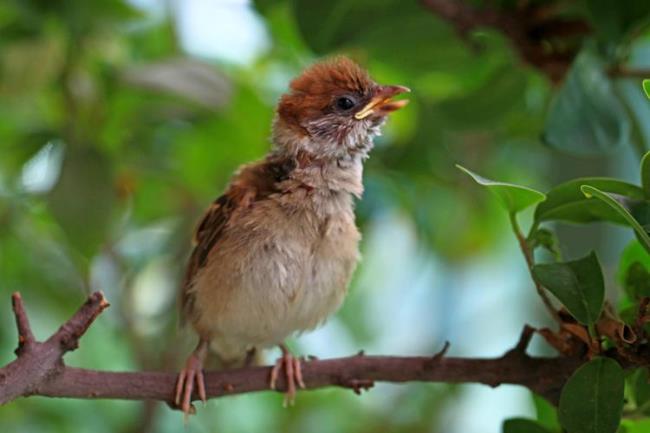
(253, 183)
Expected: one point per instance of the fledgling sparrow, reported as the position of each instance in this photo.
(274, 254)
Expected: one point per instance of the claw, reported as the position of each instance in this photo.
(190, 375)
(293, 374)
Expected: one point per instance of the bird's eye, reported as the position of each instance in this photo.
(344, 103)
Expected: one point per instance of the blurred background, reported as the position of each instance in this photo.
(120, 121)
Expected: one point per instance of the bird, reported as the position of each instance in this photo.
(273, 256)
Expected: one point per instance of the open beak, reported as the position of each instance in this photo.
(381, 103)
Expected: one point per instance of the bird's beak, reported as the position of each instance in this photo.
(381, 102)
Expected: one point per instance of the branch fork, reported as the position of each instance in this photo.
(39, 362)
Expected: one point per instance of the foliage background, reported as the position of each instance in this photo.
(120, 121)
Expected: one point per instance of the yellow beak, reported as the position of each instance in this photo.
(381, 102)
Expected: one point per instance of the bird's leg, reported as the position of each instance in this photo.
(250, 357)
(293, 374)
(191, 373)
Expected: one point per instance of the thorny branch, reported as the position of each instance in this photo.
(39, 368)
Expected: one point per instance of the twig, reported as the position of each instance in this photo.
(625, 72)
(25, 335)
(530, 262)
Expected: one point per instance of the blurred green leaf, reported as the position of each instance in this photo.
(586, 117)
(641, 388)
(592, 399)
(481, 108)
(514, 198)
(614, 20)
(634, 270)
(264, 5)
(566, 202)
(621, 206)
(637, 280)
(82, 199)
(637, 107)
(522, 425)
(646, 87)
(371, 25)
(578, 284)
(546, 413)
(645, 174)
(191, 79)
(29, 65)
(635, 425)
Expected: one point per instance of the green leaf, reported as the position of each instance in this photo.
(83, 197)
(566, 202)
(646, 87)
(641, 387)
(636, 105)
(486, 105)
(613, 20)
(368, 26)
(634, 270)
(547, 240)
(592, 399)
(578, 284)
(637, 280)
(514, 198)
(645, 174)
(586, 117)
(546, 413)
(635, 425)
(623, 208)
(522, 425)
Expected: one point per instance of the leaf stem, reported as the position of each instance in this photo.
(530, 262)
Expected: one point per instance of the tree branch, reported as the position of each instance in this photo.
(39, 369)
(38, 362)
(620, 71)
(539, 33)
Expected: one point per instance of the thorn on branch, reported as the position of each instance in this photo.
(358, 385)
(442, 352)
(431, 363)
(25, 335)
(524, 340)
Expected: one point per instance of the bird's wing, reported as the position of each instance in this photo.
(206, 235)
(252, 183)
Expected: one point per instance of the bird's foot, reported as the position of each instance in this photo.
(190, 375)
(293, 374)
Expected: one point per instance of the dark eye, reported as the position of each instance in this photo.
(344, 103)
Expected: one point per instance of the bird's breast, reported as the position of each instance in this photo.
(282, 267)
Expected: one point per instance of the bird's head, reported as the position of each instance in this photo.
(334, 109)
